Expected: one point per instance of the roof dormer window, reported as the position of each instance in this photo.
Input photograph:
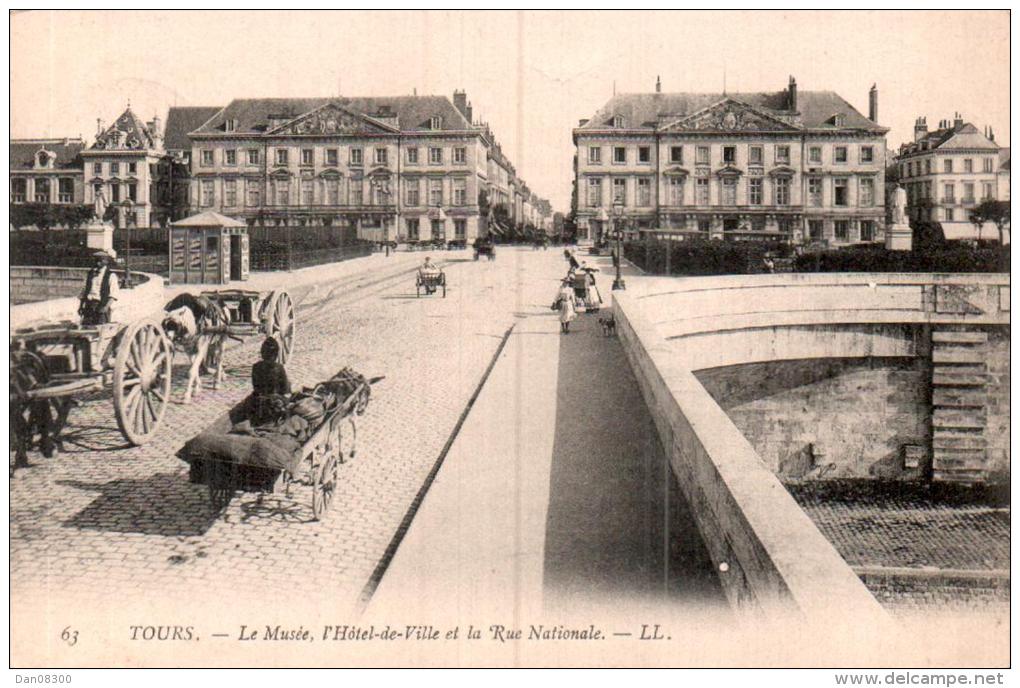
(43, 159)
(616, 122)
(839, 120)
(435, 122)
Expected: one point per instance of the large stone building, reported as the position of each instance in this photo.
(948, 171)
(46, 171)
(785, 166)
(397, 168)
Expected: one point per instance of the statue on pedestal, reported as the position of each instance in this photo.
(899, 208)
(100, 205)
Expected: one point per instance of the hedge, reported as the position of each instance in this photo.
(698, 256)
(953, 257)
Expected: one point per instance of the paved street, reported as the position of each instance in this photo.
(102, 517)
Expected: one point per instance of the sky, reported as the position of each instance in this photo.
(530, 75)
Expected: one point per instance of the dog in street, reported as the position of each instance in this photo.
(608, 324)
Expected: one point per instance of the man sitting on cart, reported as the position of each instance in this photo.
(429, 270)
(270, 383)
(101, 287)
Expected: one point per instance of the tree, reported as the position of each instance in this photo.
(996, 212)
(928, 235)
(45, 215)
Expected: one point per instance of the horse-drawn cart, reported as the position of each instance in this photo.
(429, 281)
(251, 312)
(485, 247)
(232, 454)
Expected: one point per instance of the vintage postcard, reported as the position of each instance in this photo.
(510, 339)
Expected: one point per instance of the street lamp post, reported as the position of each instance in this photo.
(618, 283)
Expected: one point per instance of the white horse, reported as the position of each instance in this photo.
(195, 324)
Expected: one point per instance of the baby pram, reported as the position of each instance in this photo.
(585, 290)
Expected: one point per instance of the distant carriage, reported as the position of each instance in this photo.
(430, 282)
(485, 247)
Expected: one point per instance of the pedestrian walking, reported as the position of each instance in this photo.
(567, 306)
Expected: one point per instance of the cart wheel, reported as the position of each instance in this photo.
(141, 380)
(280, 323)
(325, 486)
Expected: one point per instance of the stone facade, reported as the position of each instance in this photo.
(46, 171)
(754, 166)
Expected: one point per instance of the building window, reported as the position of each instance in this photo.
(867, 192)
(132, 191)
(816, 229)
(114, 192)
(435, 122)
(229, 157)
(18, 190)
(412, 192)
(460, 156)
(756, 155)
(357, 157)
(460, 192)
(357, 192)
(253, 191)
(65, 190)
(307, 192)
(840, 195)
(332, 191)
(758, 224)
(435, 192)
(782, 155)
(594, 192)
(332, 157)
(594, 155)
(115, 166)
(206, 160)
(815, 191)
(206, 196)
(843, 229)
(989, 165)
(676, 154)
(644, 154)
(729, 191)
(281, 156)
(986, 192)
(307, 156)
(620, 191)
(412, 156)
(619, 155)
(782, 191)
(676, 191)
(381, 156)
(947, 166)
(839, 154)
(948, 193)
(412, 229)
(701, 189)
(97, 168)
(704, 225)
(439, 229)
(815, 154)
(867, 230)
(282, 191)
(435, 156)
(968, 165)
(253, 156)
(42, 190)
(230, 193)
(702, 155)
(968, 192)
(644, 192)
(949, 214)
(460, 229)
(729, 155)
(754, 191)
(867, 154)
(132, 168)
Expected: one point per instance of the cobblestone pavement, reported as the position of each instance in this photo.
(917, 547)
(104, 517)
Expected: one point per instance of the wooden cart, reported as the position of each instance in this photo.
(429, 282)
(250, 313)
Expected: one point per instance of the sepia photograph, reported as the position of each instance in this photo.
(511, 339)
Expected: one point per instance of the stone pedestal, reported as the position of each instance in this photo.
(899, 237)
(100, 236)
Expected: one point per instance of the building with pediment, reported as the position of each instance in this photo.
(949, 170)
(396, 168)
(785, 166)
(126, 164)
(46, 171)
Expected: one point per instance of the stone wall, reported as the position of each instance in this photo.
(31, 284)
(828, 418)
(997, 425)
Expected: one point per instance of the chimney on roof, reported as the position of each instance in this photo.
(958, 121)
(991, 134)
(470, 114)
(99, 126)
(920, 128)
(873, 103)
(658, 84)
(791, 98)
(460, 102)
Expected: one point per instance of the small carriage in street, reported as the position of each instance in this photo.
(52, 365)
(239, 452)
(485, 247)
(586, 291)
(430, 281)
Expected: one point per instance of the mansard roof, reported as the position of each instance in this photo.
(962, 136)
(67, 151)
(817, 110)
(181, 120)
(411, 113)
